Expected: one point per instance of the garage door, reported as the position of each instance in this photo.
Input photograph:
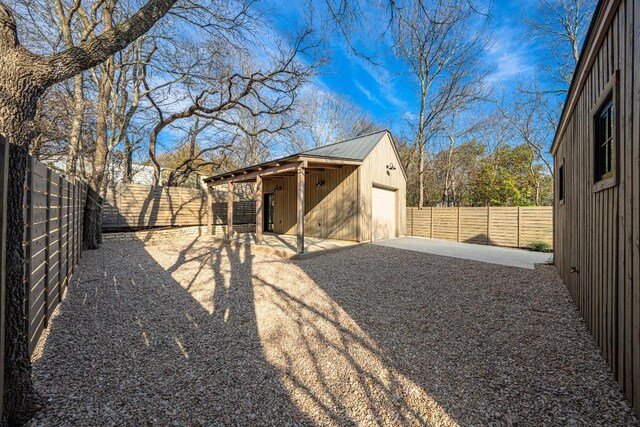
(383, 214)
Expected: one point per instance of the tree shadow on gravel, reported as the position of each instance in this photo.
(465, 342)
(192, 333)
(131, 346)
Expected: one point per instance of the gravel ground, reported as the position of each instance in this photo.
(189, 333)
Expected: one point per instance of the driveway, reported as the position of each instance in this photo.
(492, 254)
(189, 333)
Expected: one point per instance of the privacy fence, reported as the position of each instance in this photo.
(501, 226)
(53, 241)
(141, 206)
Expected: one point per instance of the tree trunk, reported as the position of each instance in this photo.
(20, 90)
(91, 235)
(24, 77)
(421, 176)
(75, 135)
(128, 160)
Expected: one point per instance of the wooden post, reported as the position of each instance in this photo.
(431, 224)
(259, 210)
(519, 219)
(47, 248)
(300, 208)
(28, 253)
(209, 210)
(61, 280)
(488, 225)
(458, 223)
(4, 182)
(230, 210)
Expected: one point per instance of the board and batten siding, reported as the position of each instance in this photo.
(597, 233)
(374, 173)
(331, 209)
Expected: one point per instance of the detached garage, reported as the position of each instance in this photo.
(351, 190)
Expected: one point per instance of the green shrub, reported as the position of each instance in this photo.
(540, 247)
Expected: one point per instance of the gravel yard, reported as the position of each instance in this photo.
(189, 334)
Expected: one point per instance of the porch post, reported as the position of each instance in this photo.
(230, 210)
(300, 208)
(259, 210)
(209, 210)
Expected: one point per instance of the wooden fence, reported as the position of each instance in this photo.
(140, 206)
(4, 181)
(244, 212)
(500, 226)
(53, 241)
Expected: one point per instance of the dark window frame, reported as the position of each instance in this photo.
(605, 137)
(561, 183)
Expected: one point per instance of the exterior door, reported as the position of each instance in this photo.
(269, 204)
(383, 214)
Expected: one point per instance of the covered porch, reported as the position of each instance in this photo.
(296, 172)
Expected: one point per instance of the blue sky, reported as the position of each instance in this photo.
(385, 91)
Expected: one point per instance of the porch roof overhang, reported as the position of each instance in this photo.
(286, 166)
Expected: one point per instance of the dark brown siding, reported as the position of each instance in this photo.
(596, 232)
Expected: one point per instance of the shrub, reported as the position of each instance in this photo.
(540, 247)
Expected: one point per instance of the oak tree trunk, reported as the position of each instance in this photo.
(24, 77)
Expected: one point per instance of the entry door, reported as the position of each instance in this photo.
(269, 204)
(383, 214)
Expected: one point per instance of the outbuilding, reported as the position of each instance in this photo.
(351, 190)
(597, 195)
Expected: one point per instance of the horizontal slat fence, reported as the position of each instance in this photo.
(244, 212)
(500, 226)
(52, 235)
(137, 206)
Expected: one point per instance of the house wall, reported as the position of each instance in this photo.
(373, 172)
(331, 210)
(597, 232)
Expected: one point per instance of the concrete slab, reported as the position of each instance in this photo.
(490, 254)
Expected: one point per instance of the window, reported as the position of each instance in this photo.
(561, 183)
(604, 154)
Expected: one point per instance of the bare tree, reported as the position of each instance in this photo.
(326, 118)
(533, 122)
(258, 93)
(442, 52)
(561, 25)
(24, 77)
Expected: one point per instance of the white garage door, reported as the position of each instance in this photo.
(383, 212)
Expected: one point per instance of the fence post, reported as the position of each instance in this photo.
(519, 220)
(488, 225)
(47, 244)
(61, 281)
(4, 182)
(431, 224)
(27, 239)
(458, 223)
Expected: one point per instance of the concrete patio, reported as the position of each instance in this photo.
(284, 246)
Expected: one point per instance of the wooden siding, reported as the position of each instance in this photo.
(597, 232)
(53, 240)
(135, 205)
(373, 172)
(331, 210)
(500, 226)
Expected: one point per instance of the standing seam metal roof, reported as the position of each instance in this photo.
(354, 149)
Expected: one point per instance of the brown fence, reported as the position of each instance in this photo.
(53, 240)
(4, 175)
(137, 206)
(244, 212)
(500, 226)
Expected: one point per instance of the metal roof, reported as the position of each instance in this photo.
(357, 148)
